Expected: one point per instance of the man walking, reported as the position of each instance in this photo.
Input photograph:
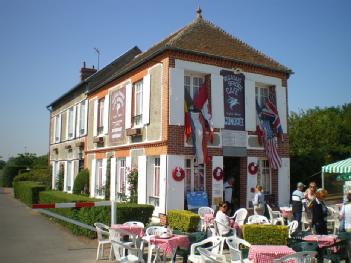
(297, 197)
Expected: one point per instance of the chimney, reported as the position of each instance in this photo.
(86, 72)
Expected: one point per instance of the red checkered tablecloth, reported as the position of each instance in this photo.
(322, 240)
(133, 229)
(266, 253)
(168, 244)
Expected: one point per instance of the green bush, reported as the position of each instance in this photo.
(91, 215)
(183, 220)
(81, 183)
(265, 234)
(28, 192)
(41, 175)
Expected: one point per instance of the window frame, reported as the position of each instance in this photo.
(192, 169)
(119, 188)
(266, 183)
(192, 77)
(258, 93)
(137, 117)
(156, 177)
(57, 128)
(82, 118)
(100, 116)
(98, 188)
(70, 123)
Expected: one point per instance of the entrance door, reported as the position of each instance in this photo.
(231, 166)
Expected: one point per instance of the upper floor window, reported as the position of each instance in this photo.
(57, 128)
(262, 95)
(100, 120)
(138, 103)
(192, 84)
(70, 123)
(156, 177)
(264, 176)
(83, 115)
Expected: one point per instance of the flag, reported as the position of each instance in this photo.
(276, 125)
(270, 145)
(187, 122)
(259, 129)
(201, 104)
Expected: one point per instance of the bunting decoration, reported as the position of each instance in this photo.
(268, 126)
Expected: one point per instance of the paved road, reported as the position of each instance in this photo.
(26, 236)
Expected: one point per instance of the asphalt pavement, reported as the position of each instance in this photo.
(27, 236)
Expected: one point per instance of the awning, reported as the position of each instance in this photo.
(343, 166)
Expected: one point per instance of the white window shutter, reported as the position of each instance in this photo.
(86, 117)
(96, 105)
(281, 106)
(54, 129)
(129, 167)
(65, 177)
(251, 181)
(59, 128)
(217, 101)
(146, 99)
(74, 122)
(250, 105)
(284, 182)
(53, 174)
(128, 106)
(77, 121)
(104, 165)
(142, 174)
(67, 123)
(72, 174)
(176, 96)
(113, 179)
(92, 177)
(106, 113)
(163, 183)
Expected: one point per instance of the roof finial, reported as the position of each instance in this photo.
(198, 12)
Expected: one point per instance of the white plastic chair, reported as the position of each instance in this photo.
(218, 232)
(292, 226)
(136, 239)
(298, 257)
(217, 248)
(240, 216)
(103, 238)
(202, 212)
(135, 254)
(154, 230)
(275, 216)
(236, 256)
(257, 219)
(236, 242)
(207, 256)
(332, 218)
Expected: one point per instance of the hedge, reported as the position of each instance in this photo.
(36, 175)
(265, 234)
(89, 216)
(28, 191)
(183, 220)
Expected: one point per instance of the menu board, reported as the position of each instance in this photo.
(234, 100)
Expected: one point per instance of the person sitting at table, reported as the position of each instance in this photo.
(345, 215)
(319, 213)
(296, 200)
(258, 201)
(223, 219)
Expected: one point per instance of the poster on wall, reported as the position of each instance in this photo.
(117, 116)
(234, 100)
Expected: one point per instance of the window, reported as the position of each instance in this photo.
(69, 177)
(192, 84)
(262, 95)
(156, 178)
(70, 123)
(56, 172)
(138, 104)
(194, 176)
(100, 121)
(99, 182)
(57, 128)
(264, 176)
(82, 118)
(121, 176)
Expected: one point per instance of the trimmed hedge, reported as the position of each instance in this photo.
(36, 175)
(28, 191)
(265, 234)
(183, 220)
(81, 183)
(91, 215)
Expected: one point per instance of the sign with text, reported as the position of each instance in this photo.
(234, 100)
(196, 200)
(117, 116)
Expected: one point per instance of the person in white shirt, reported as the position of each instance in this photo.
(228, 193)
(223, 220)
(345, 215)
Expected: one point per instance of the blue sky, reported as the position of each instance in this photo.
(43, 44)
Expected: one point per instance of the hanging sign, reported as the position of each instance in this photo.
(234, 100)
(117, 116)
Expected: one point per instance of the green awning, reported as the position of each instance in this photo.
(343, 166)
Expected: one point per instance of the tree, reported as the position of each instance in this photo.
(81, 183)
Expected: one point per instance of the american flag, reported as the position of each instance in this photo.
(270, 145)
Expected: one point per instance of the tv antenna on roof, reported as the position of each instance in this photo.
(98, 55)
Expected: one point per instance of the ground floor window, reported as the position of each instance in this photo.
(156, 178)
(264, 176)
(69, 176)
(121, 177)
(99, 180)
(194, 176)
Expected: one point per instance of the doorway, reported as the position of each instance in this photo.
(231, 167)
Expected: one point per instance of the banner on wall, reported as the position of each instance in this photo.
(234, 100)
(117, 116)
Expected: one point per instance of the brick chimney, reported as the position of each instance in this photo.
(86, 72)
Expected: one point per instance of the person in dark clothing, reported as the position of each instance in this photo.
(296, 200)
(320, 213)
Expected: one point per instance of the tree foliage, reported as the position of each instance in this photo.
(81, 183)
(317, 137)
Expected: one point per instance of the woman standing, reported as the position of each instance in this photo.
(320, 212)
(258, 201)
